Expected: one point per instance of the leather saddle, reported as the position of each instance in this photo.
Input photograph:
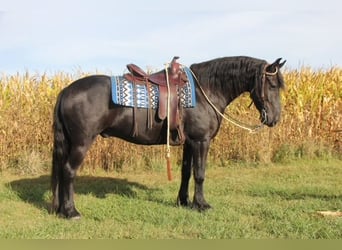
(177, 79)
(175, 73)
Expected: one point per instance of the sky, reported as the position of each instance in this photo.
(105, 35)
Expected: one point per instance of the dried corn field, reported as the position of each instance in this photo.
(311, 126)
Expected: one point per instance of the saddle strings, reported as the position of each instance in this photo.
(227, 117)
(168, 149)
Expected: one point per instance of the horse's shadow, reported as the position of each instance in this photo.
(36, 191)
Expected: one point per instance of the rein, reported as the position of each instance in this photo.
(229, 118)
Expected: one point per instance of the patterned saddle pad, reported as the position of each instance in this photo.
(124, 93)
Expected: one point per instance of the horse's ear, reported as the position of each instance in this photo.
(273, 67)
(281, 64)
(278, 63)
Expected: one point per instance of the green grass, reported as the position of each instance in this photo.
(257, 201)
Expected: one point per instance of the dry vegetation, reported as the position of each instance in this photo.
(310, 126)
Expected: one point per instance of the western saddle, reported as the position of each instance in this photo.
(177, 79)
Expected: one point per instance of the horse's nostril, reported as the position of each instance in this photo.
(273, 123)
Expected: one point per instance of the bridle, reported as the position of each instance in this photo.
(263, 111)
(264, 74)
(227, 117)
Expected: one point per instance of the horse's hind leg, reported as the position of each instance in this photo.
(66, 188)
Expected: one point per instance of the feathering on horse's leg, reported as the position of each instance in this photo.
(200, 157)
(75, 159)
(183, 194)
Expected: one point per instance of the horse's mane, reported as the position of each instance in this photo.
(233, 75)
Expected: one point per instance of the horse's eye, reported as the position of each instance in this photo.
(272, 84)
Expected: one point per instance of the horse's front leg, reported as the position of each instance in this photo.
(183, 194)
(200, 152)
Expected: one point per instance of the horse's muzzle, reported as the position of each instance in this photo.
(265, 119)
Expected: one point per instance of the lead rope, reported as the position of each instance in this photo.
(227, 117)
(168, 150)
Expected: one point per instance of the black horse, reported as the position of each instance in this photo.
(84, 110)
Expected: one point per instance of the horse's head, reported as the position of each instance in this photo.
(266, 93)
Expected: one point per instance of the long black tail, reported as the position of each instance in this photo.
(59, 155)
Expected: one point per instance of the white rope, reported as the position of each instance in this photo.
(168, 150)
(227, 117)
(168, 112)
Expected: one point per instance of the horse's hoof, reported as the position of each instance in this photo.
(201, 207)
(77, 217)
(183, 202)
(72, 215)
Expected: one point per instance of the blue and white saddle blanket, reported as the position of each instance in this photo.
(124, 93)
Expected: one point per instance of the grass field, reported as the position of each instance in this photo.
(250, 201)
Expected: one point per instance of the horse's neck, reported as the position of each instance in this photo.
(235, 88)
(224, 91)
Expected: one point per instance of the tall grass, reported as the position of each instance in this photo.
(310, 126)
